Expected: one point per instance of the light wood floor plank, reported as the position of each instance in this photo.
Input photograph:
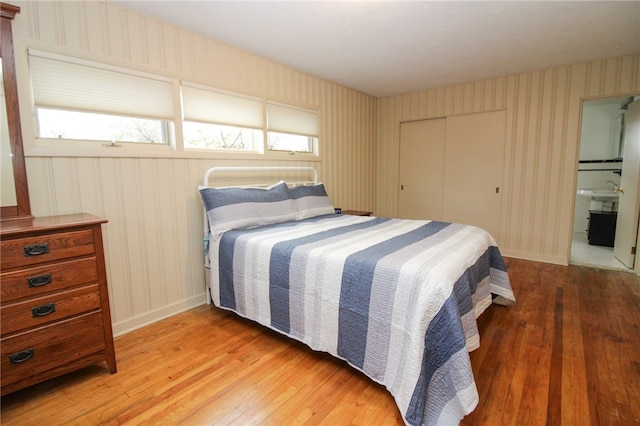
(567, 353)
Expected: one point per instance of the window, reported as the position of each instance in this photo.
(291, 129)
(217, 136)
(80, 100)
(83, 103)
(221, 120)
(291, 143)
(64, 124)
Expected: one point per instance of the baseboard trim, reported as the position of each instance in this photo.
(140, 321)
(535, 257)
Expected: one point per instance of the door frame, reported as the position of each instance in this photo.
(636, 269)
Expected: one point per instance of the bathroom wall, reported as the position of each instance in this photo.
(599, 132)
(599, 138)
(592, 176)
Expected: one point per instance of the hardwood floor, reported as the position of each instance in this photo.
(568, 353)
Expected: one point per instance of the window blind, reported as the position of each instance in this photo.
(210, 106)
(289, 119)
(66, 83)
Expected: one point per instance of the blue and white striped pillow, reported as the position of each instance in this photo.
(235, 208)
(311, 200)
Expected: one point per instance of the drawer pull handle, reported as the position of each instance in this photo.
(40, 280)
(22, 356)
(36, 249)
(43, 310)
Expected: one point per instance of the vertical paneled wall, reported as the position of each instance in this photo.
(153, 238)
(543, 121)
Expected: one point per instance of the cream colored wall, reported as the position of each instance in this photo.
(543, 122)
(153, 238)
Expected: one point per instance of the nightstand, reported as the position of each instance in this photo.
(357, 212)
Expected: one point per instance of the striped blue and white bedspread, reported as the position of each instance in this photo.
(397, 299)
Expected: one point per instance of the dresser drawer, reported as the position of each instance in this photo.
(31, 353)
(43, 310)
(21, 252)
(45, 279)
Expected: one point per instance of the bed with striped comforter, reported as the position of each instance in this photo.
(397, 299)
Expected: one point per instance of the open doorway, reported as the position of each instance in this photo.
(598, 184)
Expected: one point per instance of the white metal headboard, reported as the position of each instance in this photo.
(272, 169)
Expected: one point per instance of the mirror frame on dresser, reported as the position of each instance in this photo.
(23, 207)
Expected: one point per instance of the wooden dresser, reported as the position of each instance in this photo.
(54, 301)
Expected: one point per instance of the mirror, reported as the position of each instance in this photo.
(6, 166)
(15, 192)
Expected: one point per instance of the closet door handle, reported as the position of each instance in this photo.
(36, 249)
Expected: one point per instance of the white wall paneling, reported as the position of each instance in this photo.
(153, 239)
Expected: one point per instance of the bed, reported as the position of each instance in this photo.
(396, 299)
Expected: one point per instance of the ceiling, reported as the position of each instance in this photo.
(387, 48)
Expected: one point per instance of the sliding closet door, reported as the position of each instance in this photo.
(421, 176)
(451, 169)
(474, 163)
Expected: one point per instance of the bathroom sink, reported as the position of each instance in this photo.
(599, 194)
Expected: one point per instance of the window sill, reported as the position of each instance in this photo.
(159, 151)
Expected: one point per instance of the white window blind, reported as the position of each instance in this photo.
(67, 83)
(210, 106)
(289, 119)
